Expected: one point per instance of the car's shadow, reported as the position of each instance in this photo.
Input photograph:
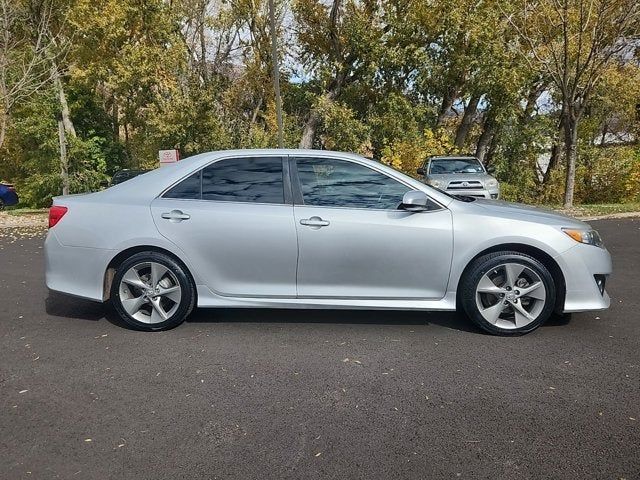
(332, 316)
(69, 307)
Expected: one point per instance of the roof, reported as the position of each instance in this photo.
(152, 183)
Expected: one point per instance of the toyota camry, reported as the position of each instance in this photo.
(317, 229)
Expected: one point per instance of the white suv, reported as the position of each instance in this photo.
(460, 176)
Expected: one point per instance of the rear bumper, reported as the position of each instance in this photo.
(76, 271)
(579, 265)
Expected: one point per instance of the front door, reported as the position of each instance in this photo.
(235, 224)
(354, 242)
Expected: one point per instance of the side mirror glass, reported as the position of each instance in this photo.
(491, 169)
(415, 201)
(420, 171)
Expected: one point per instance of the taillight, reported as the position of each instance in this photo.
(56, 213)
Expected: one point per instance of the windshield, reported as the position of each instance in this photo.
(455, 165)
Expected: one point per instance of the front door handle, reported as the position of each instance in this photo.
(175, 216)
(314, 222)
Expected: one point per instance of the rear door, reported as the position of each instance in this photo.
(234, 221)
(354, 242)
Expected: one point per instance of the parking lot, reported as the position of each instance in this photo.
(315, 394)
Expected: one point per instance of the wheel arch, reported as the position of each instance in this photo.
(117, 260)
(540, 255)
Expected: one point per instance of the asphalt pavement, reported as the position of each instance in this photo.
(272, 394)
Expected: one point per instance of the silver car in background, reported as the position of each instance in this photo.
(460, 176)
(316, 229)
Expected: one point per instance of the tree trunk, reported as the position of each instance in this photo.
(447, 102)
(4, 116)
(532, 98)
(4, 124)
(203, 41)
(467, 120)
(493, 146)
(310, 127)
(64, 108)
(487, 135)
(571, 153)
(554, 158)
(65, 127)
(64, 162)
(603, 137)
(115, 114)
(313, 122)
(334, 88)
(276, 72)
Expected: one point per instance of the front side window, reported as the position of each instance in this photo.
(339, 183)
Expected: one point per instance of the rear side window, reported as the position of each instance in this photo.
(257, 180)
(189, 188)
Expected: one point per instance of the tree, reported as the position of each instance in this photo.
(338, 46)
(573, 42)
(24, 56)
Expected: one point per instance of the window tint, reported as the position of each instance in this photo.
(188, 188)
(244, 180)
(339, 183)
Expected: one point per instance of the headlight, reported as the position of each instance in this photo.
(590, 237)
(436, 183)
(492, 184)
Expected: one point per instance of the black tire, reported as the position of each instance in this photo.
(1, 204)
(485, 264)
(185, 304)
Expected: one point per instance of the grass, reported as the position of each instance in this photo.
(597, 209)
(25, 211)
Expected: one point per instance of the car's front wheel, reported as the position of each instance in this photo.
(151, 291)
(508, 293)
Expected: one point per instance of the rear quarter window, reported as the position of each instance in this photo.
(189, 188)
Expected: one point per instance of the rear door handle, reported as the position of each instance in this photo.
(175, 216)
(314, 222)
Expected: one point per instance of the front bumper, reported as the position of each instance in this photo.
(580, 266)
(475, 193)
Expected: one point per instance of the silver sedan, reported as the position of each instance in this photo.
(317, 229)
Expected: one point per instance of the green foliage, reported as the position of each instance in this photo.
(197, 76)
(395, 118)
(341, 130)
(608, 175)
(35, 147)
(409, 154)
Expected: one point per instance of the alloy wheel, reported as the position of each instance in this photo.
(150, 292)
(511, 296)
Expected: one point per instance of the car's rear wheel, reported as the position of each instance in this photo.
(508, 293)
(151, 291)
(1, 204)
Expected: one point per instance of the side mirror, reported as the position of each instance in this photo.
(491, 169)
(420, 171)
(415, 201)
